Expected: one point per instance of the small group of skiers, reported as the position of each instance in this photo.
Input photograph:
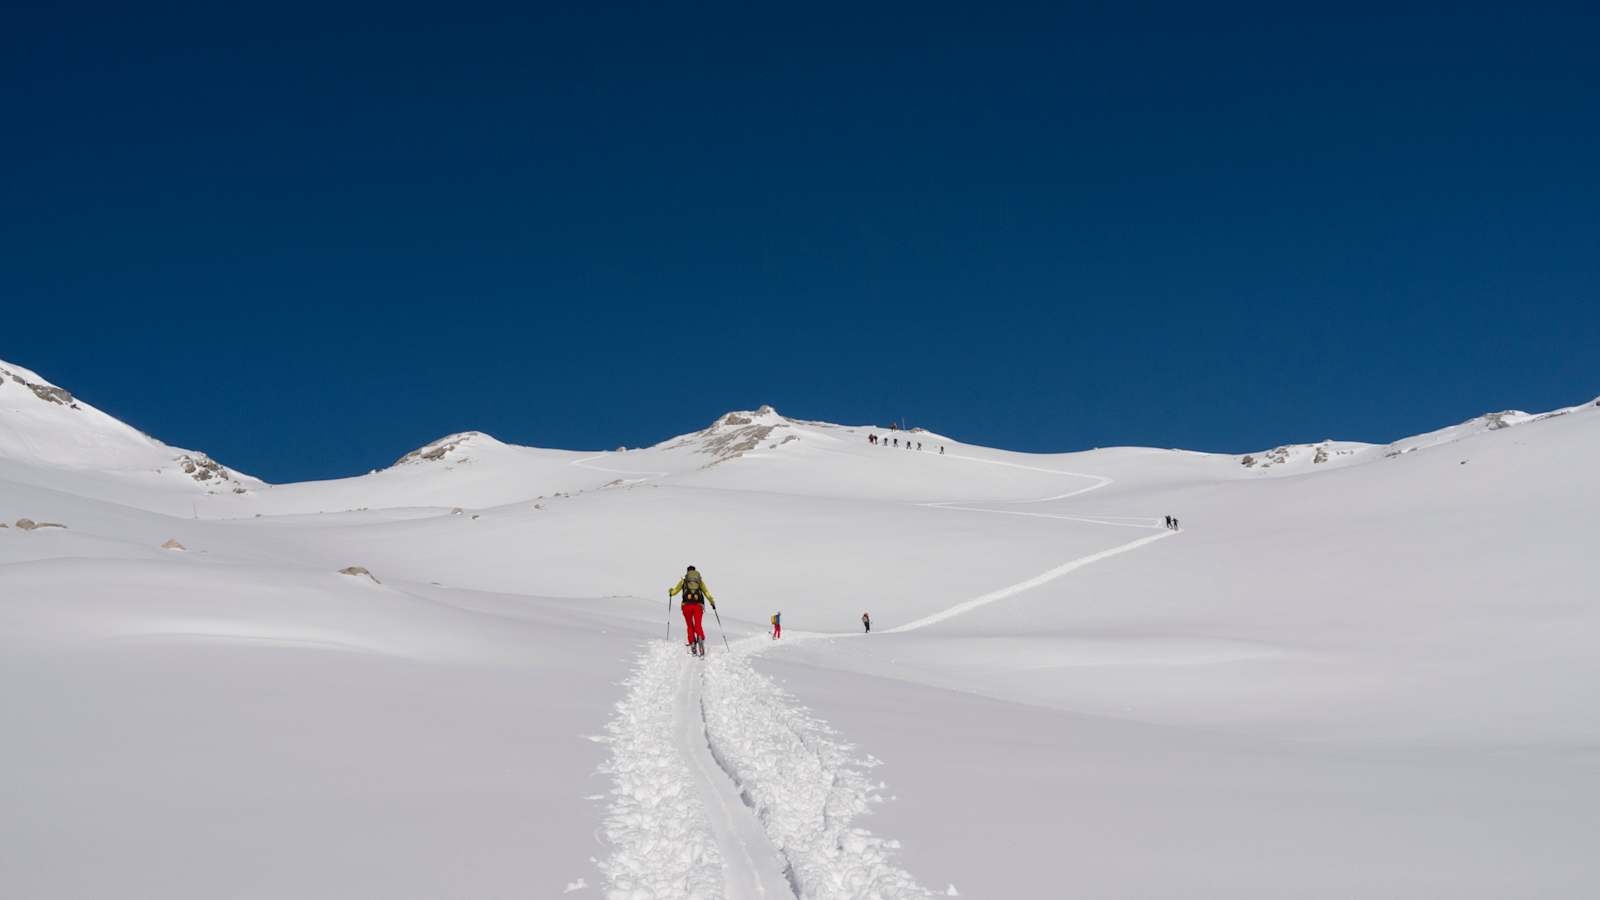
(695, 597)
(895, 442)
(1172, 522)
(777, 624)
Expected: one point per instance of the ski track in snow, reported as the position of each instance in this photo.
(751, 865)
(639, 476)
(726, 788)
(1049, 575)
(1012, 590)
(805, 785)
(657, 825)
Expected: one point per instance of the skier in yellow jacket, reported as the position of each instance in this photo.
(695, 598)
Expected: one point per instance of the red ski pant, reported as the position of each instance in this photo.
(691, 616)
(777, 632)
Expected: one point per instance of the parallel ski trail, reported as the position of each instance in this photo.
(751, 866)
(808, 786)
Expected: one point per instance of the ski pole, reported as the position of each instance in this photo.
(669, 617)
(719, 627)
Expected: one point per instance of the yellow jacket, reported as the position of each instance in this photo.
(704, 589)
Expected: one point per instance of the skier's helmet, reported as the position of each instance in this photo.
(690, 569)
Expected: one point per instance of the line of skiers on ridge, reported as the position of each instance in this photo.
(895, 442)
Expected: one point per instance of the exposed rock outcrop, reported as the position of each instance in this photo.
(204, 469)
(46, 392)
(443, 447)
(737, 433)
(358, 571)
(1297, 454)
(31, 525)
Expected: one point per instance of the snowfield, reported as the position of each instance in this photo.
(1357, 671)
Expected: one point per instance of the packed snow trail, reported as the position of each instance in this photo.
(677, 825)
(1012, 590)
(751, 867)
(805, 784)
(661, 839)
(726, 788)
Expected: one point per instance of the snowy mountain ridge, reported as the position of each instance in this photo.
(44, 424)
(1495, 421)
(1296, 458)
(1381, 675)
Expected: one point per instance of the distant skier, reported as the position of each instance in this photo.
(695, 598)
(777, 624)
(919, 446)
(897, 442)
(866, 624)
(1175, 526)
(1169, 522)
(941, 449)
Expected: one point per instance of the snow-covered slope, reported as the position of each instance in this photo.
(1495, 421)
(56, 440)
(1370, 676)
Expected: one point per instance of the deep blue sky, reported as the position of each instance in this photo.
(307, 241)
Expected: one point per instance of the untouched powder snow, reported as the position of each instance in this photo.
(1370, 676)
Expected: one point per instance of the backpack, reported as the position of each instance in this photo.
(693, 588)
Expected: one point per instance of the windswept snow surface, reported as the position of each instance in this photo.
(1372, 676)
